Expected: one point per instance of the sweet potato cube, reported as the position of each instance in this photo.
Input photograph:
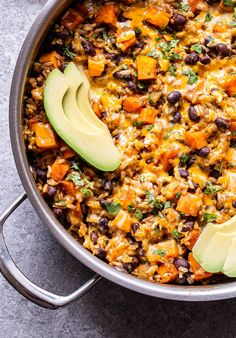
(148, 115)
(230, 180)
(167, 156)
(146, 67)
(127, 197)
(230, 86)
(128, 44)
(167, 272)
(194, 5)
(68, 152)
(107, 15)
(162, 251)
(45, 136)
(195, 233)
(59, 170)
(133, 103)
(122, 221)
(72, 19)
(189, 204)
(198, 271)
(232, 126)
(69, 188)
(157, 18)
(52, 57)
(95, 67)
(195, 139)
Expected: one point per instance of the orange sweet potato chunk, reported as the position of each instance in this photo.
(95, 67)
(72, 19)
(69, 188)
(167, 272)
(230, 86)
(59, 170)
(194, 5)
(127, 44)
(45, 136)
(107, 15)
(146, 67)
(148, 115)
(122, 221)
(198, 271)
(195, 233)
(196, 139)
(189, 204)
(133, 103)
(167, 156)
(52, 57)
(157, 18)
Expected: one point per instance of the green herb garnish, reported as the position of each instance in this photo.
(192, 77)
(138, 214)
(197, 48)
(150, 127)
(68, 53)
(160, 252)
(208, 17)
(209, 218)
(153, 53)
(184, 159)
(210, 189)
(112, 207)
(175, 233)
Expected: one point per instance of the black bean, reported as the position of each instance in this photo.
(103, 225)
(176, 117)
(41, 173)
(135, 226)
(222, 50)
(221, 124)
(111, 56)
(178, 21)
(141, 252)
(174, 97)
(233, 143)
(192, 114)
(208, 39)
(181, 263)
(215, 173)
(88, 47)
(139, 45)
(101, 253)
(128, 267)
(121, 18)
(51, 191)
(94, 237)
(183, 173)
(191, 161)
(102, 202)
(135, 262)
(205, 60)
(204, 152)
(181, 280)
(132, 86)
(57, 212)
(192, 58)
(188, 226)
(122, 76)
(108, 186)
(234, 204)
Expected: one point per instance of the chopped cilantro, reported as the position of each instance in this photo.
(149, 196)
(130, 208)
(138, 124)
(138, 214)
(76, 179)
(174, 56)
(173, 43)
(177, 195)
(233, 133)
(208, 17)
(184, 159)
(154, 54)
(227, 2)
(138, 30)
(75, 166)
(192, 77)
(105, 35)
(186, 8)
(175, 233)
(90, 184)
(167, 205)
(68, 53)
(112, 207)
(156, 231)
(210, 189)
(160, 252)
(158, 205)
(85, 191)
(209, 217)
(172, 70)
(233, 24)
(149, 127)
(197, 48)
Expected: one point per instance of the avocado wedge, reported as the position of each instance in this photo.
(215, 249)
(95, 146)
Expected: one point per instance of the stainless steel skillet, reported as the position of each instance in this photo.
(47, 17)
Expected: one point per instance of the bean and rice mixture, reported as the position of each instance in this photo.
(163, 79)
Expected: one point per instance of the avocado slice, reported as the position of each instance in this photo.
(229, 268)
(95, 147)
(84, 103)
(215, 248)
(77, 114)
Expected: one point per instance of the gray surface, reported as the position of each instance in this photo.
(108, 310)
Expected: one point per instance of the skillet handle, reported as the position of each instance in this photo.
(22, 284)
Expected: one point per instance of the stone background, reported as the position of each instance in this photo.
(108, 310)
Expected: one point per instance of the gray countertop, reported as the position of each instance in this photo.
(106, 311)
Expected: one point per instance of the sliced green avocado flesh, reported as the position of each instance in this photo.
(215, 249)
(96, 148)
(84, 103)
(77, 114)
